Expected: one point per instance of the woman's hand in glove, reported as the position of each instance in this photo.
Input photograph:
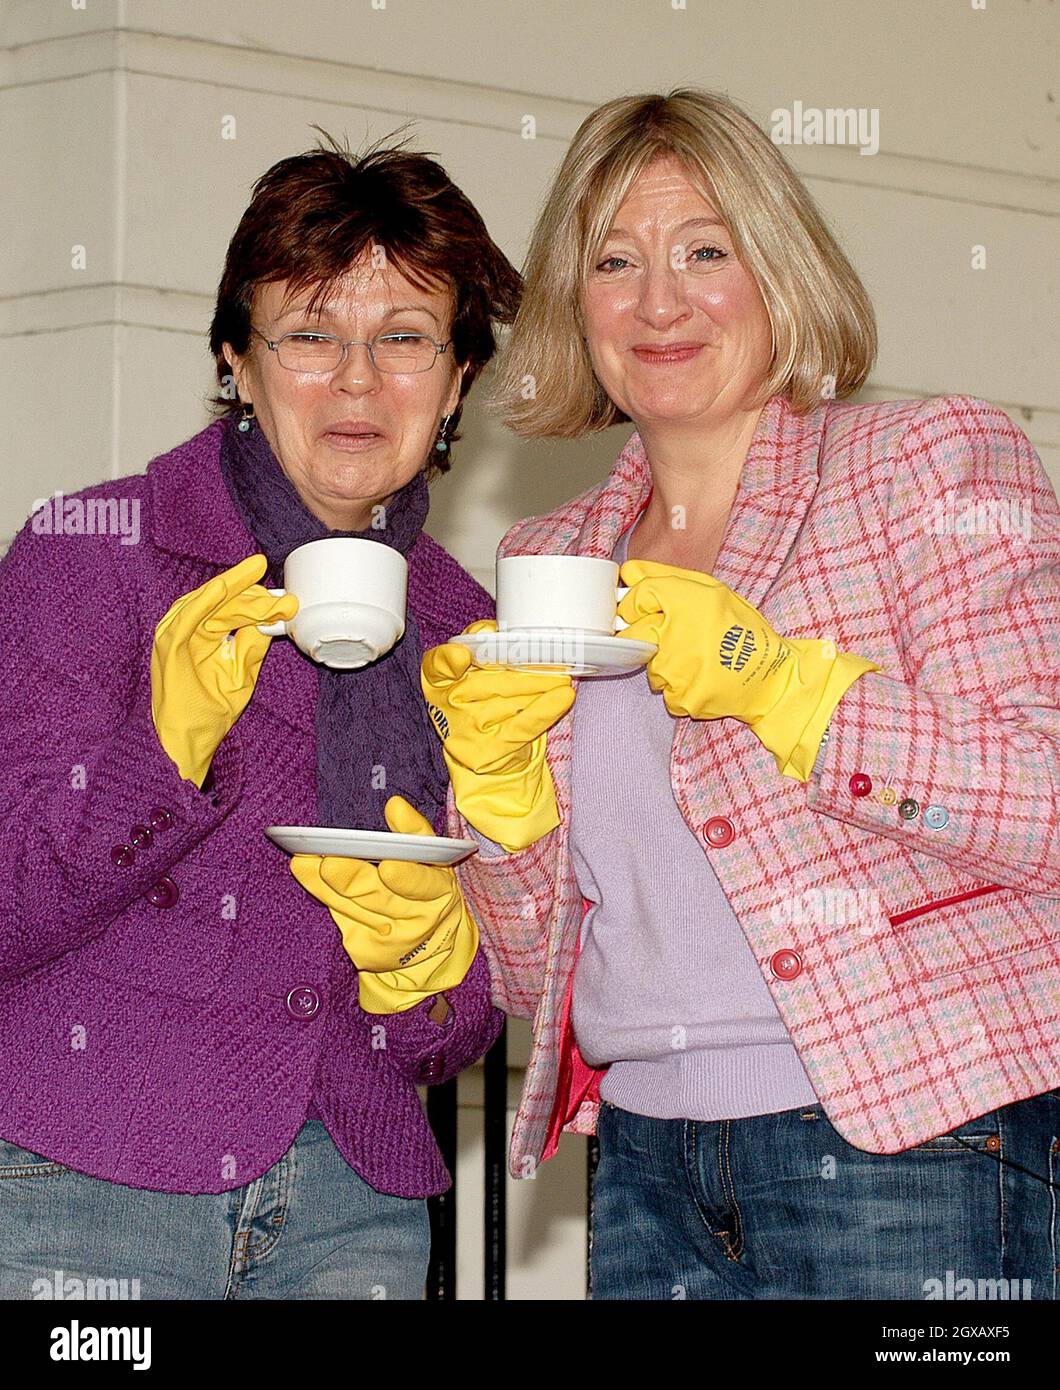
(201, 678)
(405, 926)
(492, 722)
(719, 657)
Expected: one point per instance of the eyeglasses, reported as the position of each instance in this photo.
(325, 352)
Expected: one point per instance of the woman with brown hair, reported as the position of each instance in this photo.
(208, 1091)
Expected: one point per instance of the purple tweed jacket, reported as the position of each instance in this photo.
(177, 1045)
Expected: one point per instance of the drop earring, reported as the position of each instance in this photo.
(441, 445)
(246, 419)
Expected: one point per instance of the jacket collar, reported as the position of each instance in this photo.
(191, 511)
(777, 483)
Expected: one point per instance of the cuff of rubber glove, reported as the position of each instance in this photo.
(514, 809)
(845, 670)
(518, 762)
(397, 991)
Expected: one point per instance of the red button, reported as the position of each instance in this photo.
(785, 965)
(719, 831)
(860, 784)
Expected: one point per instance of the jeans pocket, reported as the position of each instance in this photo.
(16, 1162)
(980, 1135)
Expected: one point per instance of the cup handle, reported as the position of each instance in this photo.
(620, 594)
(274, 629)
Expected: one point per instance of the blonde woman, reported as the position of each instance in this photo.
(785, 921)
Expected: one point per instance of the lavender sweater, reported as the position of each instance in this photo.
(177, 1046)
(666, 988)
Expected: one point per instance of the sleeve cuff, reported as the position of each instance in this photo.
(514, 809)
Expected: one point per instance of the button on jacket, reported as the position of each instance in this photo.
(914, 958)
(172, 998)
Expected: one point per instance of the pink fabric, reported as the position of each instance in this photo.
(577, 1082)
(844, 527)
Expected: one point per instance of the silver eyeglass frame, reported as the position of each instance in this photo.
(345, 345)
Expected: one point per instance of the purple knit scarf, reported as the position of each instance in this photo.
(371, 724)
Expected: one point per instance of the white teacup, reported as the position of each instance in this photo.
(351, 600)
(575, 592)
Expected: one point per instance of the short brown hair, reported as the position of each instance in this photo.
(314, 214)
(824, 330)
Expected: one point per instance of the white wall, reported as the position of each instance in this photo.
(111, 139)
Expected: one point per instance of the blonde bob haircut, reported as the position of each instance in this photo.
(824, 329)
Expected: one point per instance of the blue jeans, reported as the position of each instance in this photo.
(309, 1228)
(779, 1206)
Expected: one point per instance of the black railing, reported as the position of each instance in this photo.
(441, 1272)
(442, 1113)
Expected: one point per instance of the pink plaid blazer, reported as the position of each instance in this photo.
(915, 962)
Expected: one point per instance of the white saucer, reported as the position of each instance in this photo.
(370, 844)
(557, 650)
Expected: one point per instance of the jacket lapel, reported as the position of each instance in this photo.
(616, 505)
(193, 517)
(776, 485)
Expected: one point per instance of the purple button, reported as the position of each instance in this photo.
(303, 1001)
(122, 855)
(140, 837)
(161, 819)
(164, 893)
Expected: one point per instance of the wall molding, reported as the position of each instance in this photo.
(404, 96)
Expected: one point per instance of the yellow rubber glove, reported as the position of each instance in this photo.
(200, 680)
(718, 656)
(492, 723)
(406, 927)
